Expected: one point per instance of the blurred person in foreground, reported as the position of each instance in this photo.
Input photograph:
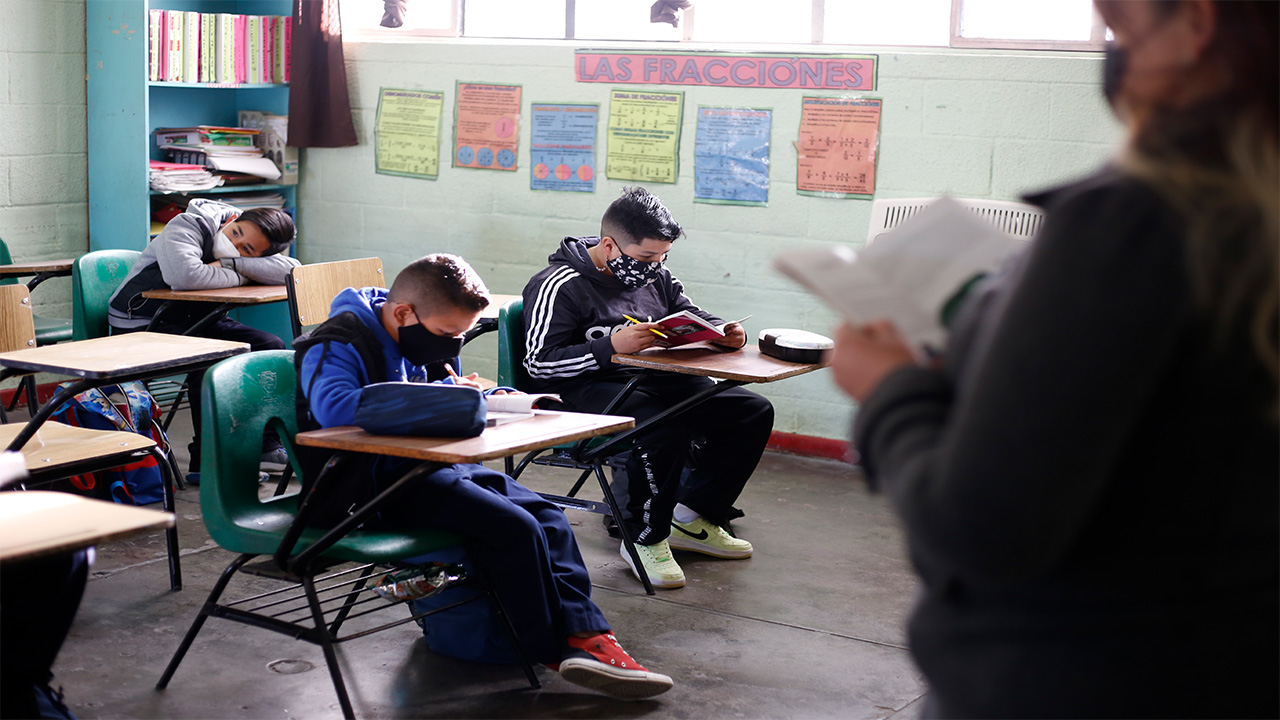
(1090, 477)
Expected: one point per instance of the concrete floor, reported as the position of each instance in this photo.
(810, 627)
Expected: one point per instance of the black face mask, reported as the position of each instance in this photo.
(1114, 64)
(422, 347)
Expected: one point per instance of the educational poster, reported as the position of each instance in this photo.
(485, 119)
(837, 147)
(644, 136)
(407, 133)
(731, 156)
(563, 147)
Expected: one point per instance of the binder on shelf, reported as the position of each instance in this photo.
(225, 50)
(253, 49)
(284, 36)
(208, 45)
(173, 42)
(155, 45)
(191, 47)
(269, 48)
(242, 72)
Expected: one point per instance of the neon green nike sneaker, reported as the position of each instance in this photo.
(658, 563)
(703, 536)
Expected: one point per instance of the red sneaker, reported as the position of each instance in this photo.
(600, 663)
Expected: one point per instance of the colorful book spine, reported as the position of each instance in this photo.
(208, 47)
(155, 45)
(173, 41)
(226, 48)
(242, 71)
(269, 23)
(253, 49)
(191, 47)
(284, 52)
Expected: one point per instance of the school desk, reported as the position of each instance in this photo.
(38, 523)
(222, 299)
(41, 270)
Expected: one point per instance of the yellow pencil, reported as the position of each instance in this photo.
(655, 332)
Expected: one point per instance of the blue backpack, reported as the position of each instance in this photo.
(133, 410)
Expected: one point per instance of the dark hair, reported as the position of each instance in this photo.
(639, 215)
(276, 226)
(440, 282)
(1217, 161)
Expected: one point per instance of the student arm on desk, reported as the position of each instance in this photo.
(180, 257)
(270, 270)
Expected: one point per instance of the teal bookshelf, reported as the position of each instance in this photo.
(124, 107)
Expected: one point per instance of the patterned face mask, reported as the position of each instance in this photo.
(632, 272)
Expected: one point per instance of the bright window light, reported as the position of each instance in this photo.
(515, 18)
(366, 16)
(753, 21)
(876, 22)
(1022, 20)
(620, 20)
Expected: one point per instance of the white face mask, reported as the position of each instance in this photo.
(223, 248)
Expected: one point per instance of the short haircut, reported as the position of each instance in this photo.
(638, 215)
(276, 226)
(440, 283)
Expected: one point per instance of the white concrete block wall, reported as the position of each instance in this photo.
(972, 123)
(43, 141)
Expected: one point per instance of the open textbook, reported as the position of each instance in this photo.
(684, 328)
(909, 274)
(502, 409)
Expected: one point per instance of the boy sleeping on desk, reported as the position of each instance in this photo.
(211, 245)
(374, 341)
(577, 315)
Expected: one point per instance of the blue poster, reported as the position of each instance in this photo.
(731, 156)
(563, 147)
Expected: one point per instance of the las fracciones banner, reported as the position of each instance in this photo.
(742, 70)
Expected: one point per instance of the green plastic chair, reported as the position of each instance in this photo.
(94, 277)
(48, 330)
(511, 373)
(242, 396)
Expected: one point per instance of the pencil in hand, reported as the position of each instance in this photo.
(652, 330)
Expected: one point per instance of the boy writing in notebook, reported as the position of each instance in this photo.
(522, 543)
(211, 245)
(578, 312)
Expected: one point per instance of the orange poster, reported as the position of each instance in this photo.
(485, 122)
(839, 138)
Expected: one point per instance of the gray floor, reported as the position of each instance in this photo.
(810, 627)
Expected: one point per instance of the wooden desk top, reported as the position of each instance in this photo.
(745, 365)
(116, 355)
(43, 523)
(495, 304)
(240, 295)
(55, 445)
(31, 268)
(542, 430)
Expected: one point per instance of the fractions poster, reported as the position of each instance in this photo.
(407, 133)
(644, 136)
(731, 156)
(485, 120)
(563, 147)
(837, 147)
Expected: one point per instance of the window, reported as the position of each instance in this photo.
(1012, 24)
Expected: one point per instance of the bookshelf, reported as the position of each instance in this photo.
(124, 107)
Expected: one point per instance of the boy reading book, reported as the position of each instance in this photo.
(523, 544)
(577, 315)
(211, 245)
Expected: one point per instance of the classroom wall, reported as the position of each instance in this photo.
(988, 124)
(44, 209)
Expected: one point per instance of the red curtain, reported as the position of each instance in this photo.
(319, 107)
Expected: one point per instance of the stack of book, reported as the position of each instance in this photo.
(179, 177)
(198, 47)
(221, 148)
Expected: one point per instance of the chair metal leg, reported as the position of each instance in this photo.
(350, 600)
(171, 534)
(198, 623)
(326, 644)
(509, 628)
(173, 409)
(627, 542)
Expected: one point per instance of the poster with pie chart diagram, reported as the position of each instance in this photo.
(486, 124)
(562, 147)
